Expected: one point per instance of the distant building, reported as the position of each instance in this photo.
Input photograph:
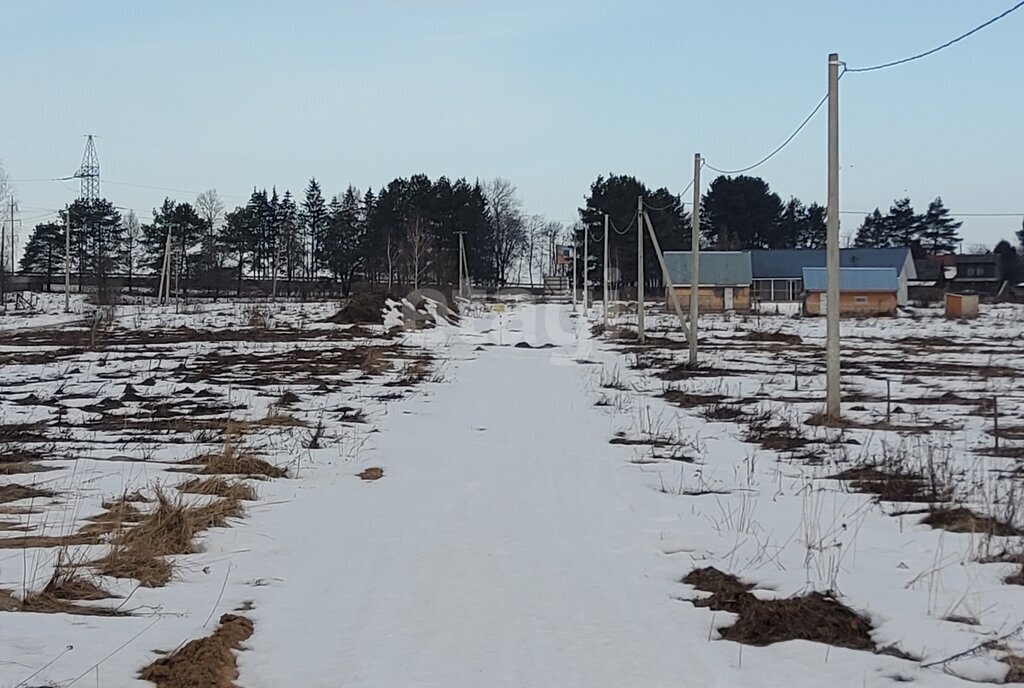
(978, 274)
(723, 284)
(863, 292)
(778, 273)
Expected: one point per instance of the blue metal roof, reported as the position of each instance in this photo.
(790, 262)
(853, 279)
(717, 268)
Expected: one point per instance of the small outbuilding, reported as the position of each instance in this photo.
(863, 292)
(961, 305)
(723, 284)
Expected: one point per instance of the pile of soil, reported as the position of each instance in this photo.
(365, 309)
(815, 616)
(208, 661)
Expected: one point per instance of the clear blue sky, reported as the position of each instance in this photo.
(192, 95)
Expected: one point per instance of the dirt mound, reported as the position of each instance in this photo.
(374, 473)
(776, 336)
(362, 309)
(208, 662)
(815, 616)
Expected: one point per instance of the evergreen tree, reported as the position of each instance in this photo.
(345, 239)
(873, 232)
(44, 251)
(97, 237)
(938, 230)
(903, 225)
(1009, 261)
(289, 230)
(314, 223)
(741, 213)
(238, 240)
(617, 195)
(815, 227)
(186, 231)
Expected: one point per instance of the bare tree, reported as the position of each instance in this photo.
(210, 209)
(132, 237)
(419, 248)
(507, 226)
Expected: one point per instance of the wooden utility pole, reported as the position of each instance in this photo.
(694, 259)
(604, 304)
(640, 336)
(832, 405)
(67, 261)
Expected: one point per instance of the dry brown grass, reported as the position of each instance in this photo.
(219, 487)
(233, 459)
(204, 662)
(15, 492)
(168, 530)
(963, 520)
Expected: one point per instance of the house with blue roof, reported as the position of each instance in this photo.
(863, 292)
(778, 274)
(723, 283)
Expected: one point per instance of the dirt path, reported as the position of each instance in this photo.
(502, 547)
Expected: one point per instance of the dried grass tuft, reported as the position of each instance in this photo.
(219, 487)
(166, 531)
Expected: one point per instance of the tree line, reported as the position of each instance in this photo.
(741, 213)
(406, 233)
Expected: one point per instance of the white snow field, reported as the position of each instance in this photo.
(509, 541)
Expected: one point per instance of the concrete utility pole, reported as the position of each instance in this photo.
(165, 271)
(604, 304)
(463, 276)
(586, 267)
(575, 266)
(640, 336)
(694, 258)
(832, 407)
(67, 261)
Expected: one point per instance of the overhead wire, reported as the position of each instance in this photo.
(936, 49)
(781, 146)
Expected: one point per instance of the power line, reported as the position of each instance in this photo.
(959, 38)
(615, 229)
(869, 212)
(785, 143)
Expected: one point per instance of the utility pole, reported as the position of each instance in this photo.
(165, 271)
(640, 270)
(832, 406)
(67, 261)
(694, 258)
(604, 304)
(463, 266)
(3, 267)
(575, 268)
(586, 267)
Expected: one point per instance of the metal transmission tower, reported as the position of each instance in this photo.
(89, 172)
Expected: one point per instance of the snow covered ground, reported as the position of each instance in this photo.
(543, 493)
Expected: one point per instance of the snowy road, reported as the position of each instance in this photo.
(503, 547)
